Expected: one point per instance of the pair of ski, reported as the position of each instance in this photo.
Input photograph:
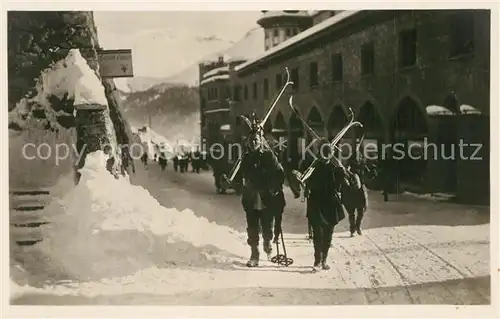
(281, 259)
(333, 143)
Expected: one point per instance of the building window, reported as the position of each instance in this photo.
(407, 48)
(266, 88)
(275, 33)
(337, 67)
(216, 93)
(245, 92)
(237, 93)
(254, 90)
(212, 94)
(461, 33)
(368, 58)
(313, 74)
(294, 77)
(279, 83)
(288, 32)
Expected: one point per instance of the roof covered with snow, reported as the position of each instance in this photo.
(433, 110)
(467, 109)
(301, 14)
(217, 111)
(215, 71)
(299, 37)
(215, 78)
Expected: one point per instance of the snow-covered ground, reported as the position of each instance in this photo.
(114, 239)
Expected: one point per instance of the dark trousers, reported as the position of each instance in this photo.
(257, 219)
(322, 232)
(322, 239)
(355, 218)
(217, 179)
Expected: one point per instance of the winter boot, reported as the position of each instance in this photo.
(352, 226)
(324, 263)
(359, 231)
(324, 256)
(317, 261)
(254, 257)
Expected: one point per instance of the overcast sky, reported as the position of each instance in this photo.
(164, 43)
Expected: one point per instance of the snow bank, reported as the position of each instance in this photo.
(71, 77)
(109, 228)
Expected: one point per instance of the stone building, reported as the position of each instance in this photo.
(412, 77)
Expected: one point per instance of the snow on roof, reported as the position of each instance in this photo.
(437, 110)
(217, 110)
(215, 78)
(215, 71)
(300, 37)
(467, 109)
(274, 14)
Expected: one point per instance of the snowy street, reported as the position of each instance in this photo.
(411, 251)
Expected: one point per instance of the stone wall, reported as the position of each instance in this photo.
(36, 40)
(429, 82)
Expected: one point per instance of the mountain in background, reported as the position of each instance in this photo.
(251, 45)
(173, 102)
(174, 110)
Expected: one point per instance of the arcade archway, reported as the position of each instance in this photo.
(373, 129)
(408, 130)
(295, 141)
(279, 123)
(336, 121)
(315, 121)
(280, 134)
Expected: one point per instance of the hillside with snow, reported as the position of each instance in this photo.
(173, 103)
(174, 110)
(250, 46)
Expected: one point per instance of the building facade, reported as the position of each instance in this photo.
(418, 80)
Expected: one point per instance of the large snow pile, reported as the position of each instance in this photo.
(108, 227)
(71, 78)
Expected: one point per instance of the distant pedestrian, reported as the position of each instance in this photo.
(127, 161)
(354, 195)
(144, 159)
(176, 162)
(162, 161)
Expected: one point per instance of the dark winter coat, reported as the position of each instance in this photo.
(262, 174)
(323, 193)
